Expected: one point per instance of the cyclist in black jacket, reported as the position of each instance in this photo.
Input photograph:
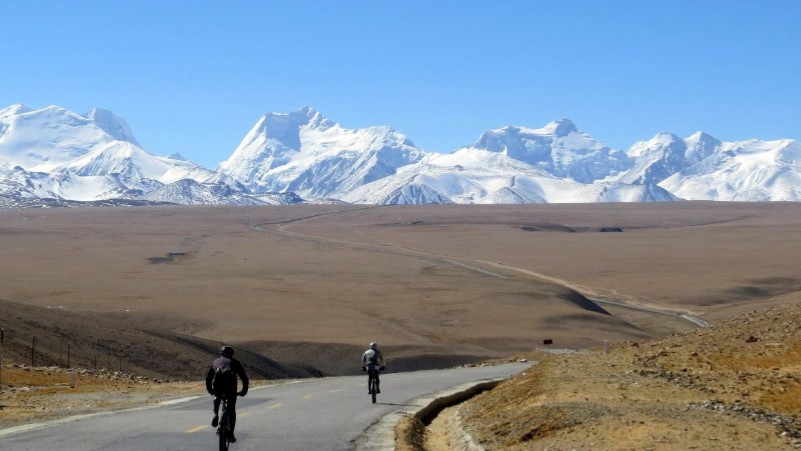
(221, 380)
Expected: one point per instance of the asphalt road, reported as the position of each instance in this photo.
(319, 414)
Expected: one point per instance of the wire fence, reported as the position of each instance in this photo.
(35, 352)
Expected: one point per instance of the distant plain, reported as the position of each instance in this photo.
(434, 285)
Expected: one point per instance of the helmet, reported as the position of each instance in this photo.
(227, 351)
(373, 345)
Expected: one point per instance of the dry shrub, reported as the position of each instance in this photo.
(21, 377)
(785, 400)
(771, 369)
(770, 356)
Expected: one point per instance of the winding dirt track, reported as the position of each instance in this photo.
(281, 228)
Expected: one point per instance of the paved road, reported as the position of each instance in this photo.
(320, 414)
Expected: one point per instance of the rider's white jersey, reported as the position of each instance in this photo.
(372, 358)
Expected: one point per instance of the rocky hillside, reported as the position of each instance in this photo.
(736, 385)
(44, 337)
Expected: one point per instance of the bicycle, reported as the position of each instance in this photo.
(224, 427)
(372, 381)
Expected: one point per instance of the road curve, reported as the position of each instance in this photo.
(320, 414)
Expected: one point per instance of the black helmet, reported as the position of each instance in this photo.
(227, 351)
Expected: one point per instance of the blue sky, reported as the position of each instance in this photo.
(194, 76)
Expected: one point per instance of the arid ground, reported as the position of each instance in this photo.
(733, 386)
(300, 290)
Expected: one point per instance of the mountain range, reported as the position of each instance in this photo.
(57, 157)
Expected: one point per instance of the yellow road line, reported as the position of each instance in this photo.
(307, 396)
(275, 405)
(240, 415)
(334, 390)
(196, 429)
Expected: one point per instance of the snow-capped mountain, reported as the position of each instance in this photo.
(477, 175)
(86, 158)
(742, 171)
(112, 124)
(64, 157)
(559, 148)
(40, 140)
(19, 183)
(701, 167)
(194, 193)
(665, 154)
(306, 153)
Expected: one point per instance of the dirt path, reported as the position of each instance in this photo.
(473, 265)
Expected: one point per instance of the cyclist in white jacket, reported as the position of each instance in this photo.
(373, 360)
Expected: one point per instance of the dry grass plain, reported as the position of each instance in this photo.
(436, 285)
(300, 290)
(732, 386)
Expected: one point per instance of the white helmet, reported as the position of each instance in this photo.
(373, 345)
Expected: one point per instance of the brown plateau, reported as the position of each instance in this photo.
(300, 290)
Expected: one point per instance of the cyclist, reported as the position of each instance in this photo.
(221, 380)
(373, 360)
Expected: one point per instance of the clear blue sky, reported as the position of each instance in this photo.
(194, 76)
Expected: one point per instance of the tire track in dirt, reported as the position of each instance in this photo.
(472, 265)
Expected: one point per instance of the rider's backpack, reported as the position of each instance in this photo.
(224, 376)
(372, 357)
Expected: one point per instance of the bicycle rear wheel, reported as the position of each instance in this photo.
(224, 429)
(373, 389)
(224, 442)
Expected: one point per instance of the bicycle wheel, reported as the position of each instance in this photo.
(224, 429)
(372, 384)
(224, 442)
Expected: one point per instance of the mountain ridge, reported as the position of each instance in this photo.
(53, 152)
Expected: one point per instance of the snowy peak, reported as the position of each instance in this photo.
(112, 124)
(659, 142)
(279, 124)
(742, 171)
(656, 159)
(560, 128)
(499, 139)
(312, 118)
(280, 132)
(559, 148)
(700, 145)
(307, 153)
(84, 158)
(702, 138)
(42, 139)
(13, 110)
(701, 167)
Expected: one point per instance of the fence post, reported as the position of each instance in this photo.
(2, 345)
(33, 351)
(68, 355)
